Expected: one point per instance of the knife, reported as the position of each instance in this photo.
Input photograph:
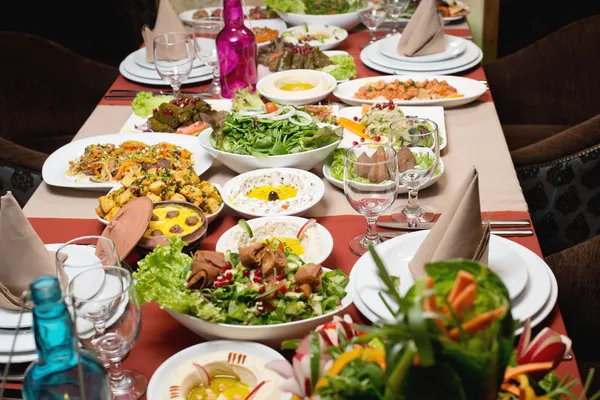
(499, 232)
(430, 225)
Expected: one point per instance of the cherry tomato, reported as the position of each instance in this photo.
(271, 107)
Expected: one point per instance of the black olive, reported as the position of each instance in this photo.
(273, 195)
(191, 220)
(154, 217)
(172, 214)
(175, 229)
(156, 232)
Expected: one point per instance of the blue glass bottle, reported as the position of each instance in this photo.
(56, 375)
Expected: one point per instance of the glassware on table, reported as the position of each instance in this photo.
(173, 58)
(108, 322)
(372, 17)
(370, 199)
(395, 8)
(418, 135)
(204, 35)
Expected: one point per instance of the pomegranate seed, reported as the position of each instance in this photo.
(354, 143)
(229, 276)
(280, 277)
(260, 308)
(147, 130)
(222, 283)
(257, 279)
(392, 106)
(223, 270)
(258, 272)
(283, 289)
(362, 139)
(174, 102)
(220, 278)
(246, 272)
(155, 110)
(186, 101)
(167, 111)
(261, 289)
(227, 265)
(297, 289)
(377, 138)
(355, 118)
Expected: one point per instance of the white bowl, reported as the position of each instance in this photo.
(271, 335)
(326, 240)
(289, 99)
(310, 193)
(209, 218)
(330, 30)
(346, 21)
(241, 163)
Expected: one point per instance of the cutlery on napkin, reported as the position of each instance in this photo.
(424, 33)
(458, 233)
(24, 256)
(166, 21)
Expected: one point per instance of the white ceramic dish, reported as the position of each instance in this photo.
(397, 252)
(346, 21)
(272, 23)
(310, 192)
(455, 46)
(210, 218)
(326, 240)
(139, 57)
(158, 387)
(267, 334)
(243, 163)
(401, 189)
(142, 71)
(335, 35)
(470, 88)
(55, 167)
(159, 82)
(281, 97)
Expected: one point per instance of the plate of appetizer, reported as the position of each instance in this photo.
(219, 369)
(324, 37)
(262, 292)
(273, 192)
(304, 237)
(455, 46)
(418, 90)
(450, 10)
(101, 162)
(296, 87)
(253, 16)
(340, 13)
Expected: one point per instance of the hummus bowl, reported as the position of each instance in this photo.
(296, 87)
(315, 246)
(273, 192)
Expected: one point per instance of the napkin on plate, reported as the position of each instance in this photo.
(458, 233)
(23, 255)
(166, 21)
(424, 34)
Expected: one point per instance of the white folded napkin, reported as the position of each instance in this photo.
(166, 21)
(424, 33)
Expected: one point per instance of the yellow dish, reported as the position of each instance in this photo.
(225, 386)
(173, 219)
(296, 87)
(265, 192)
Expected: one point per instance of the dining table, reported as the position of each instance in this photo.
(475, 138)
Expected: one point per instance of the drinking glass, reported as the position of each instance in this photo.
(204, 34)
(372, 17)
(370, 186)
(418, 136)
(173, 58)
(395, 9)
(108, 323)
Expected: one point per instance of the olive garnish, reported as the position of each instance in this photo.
(273, 195)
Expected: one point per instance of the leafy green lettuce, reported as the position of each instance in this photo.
(145, 102)
(291, 6)
(244, 99)
(343, 67)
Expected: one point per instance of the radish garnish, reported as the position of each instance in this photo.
(309, 224)
(253, 392)
(291, 385)
(282, 367)
(204, 373)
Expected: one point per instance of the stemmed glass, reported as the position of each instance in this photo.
(372, 17)
(370, 186)
(395, 10)
(173, 58)
(108, 323)
(204, 34)
(417, 136)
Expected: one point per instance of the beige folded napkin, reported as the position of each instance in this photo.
(166, 21)
(424, 34)
(23, 256)
(458, 233)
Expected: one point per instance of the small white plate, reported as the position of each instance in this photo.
(158, 387)
(326, 243)
(161, 82)
(455, 46)
(336, 35)
(55, 166)
(469, 88)
(139, 57)
(141, 72)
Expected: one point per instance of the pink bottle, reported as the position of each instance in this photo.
(236, 48)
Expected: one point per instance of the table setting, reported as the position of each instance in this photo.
(329, 214)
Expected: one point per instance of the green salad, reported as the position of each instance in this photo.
(343, 67)
(315, 7)
(247, 298)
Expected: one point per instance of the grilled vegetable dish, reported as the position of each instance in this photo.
(407, 90)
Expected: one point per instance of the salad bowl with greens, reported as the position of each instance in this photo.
(342, 13)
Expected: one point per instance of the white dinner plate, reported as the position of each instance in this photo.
(396, 254)
(134, 69)
(158, 387)
(19, 358)
(455, 46)
(55, 166)
(469, 88)
(139, 58)
(147, 81)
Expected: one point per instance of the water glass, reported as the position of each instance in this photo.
(419, 137)
(370, 186)
(372, 17)
(395, 9)
(204, 34)
(108, 323)
(173, 58)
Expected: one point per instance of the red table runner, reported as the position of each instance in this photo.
(161, 336)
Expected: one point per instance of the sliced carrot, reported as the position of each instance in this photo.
(275, 55)
(512, 389)
(478, 323)
(430, 304)
(354, 127)
(513, 372)
(365, 108)
(463, 279)
(465, 299)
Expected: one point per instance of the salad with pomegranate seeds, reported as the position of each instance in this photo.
(262, 284)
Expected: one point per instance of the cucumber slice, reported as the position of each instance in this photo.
(287, 34)
(244, 224)
(305, 27)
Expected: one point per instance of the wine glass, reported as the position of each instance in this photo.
(416, 142)
(173, 58)
(370, 186)
(372, 17)
(204, 34)
(108, 323)
(395, 9)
